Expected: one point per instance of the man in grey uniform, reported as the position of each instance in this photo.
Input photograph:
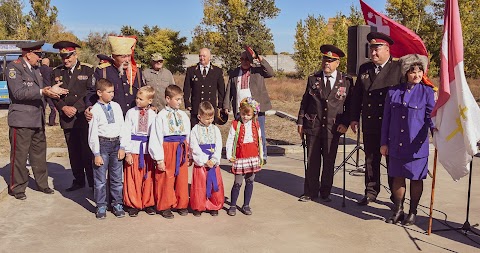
(159, 78)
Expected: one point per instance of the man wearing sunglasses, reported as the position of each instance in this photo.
(75, 76)
(26, 119)
(159, 78)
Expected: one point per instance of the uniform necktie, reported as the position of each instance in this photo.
(328, 86)
(204, 72)
(378, 69)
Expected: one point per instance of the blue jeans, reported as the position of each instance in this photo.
(109, 153)
(261, 120)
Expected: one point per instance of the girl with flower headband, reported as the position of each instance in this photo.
(244, 150)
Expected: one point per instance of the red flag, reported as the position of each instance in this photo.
(456, 113)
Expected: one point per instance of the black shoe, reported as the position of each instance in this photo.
(197, 213)
(48, 191)
(366, 200)
(213, 212)
(232, 211)
(326, 199)
(20, 196)
(246, 210)
(410, 220)
(265, 162)
(150, 210)
(117, 210)
(182, 212)
(167, 214)
(75, 187)
(133, 212)
(304, 198)
(396, 217)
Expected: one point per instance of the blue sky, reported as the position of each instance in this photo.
(82, 17)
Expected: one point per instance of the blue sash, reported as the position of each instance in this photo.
(211, 175)
(181, 152)
(142, 139)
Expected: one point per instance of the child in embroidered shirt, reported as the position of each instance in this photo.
(169, 147)
(138, 182)
(206, 192)
(244, 150)
(107, 141)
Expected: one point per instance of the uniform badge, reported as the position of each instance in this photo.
(82, 77)
(341, 93)
(12, 74)
(194, 78)
(365, 76)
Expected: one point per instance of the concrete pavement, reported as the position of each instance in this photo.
(65, 221)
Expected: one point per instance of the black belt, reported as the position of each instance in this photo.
(109, 138)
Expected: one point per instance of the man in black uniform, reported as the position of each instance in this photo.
(373, 81)
(322, 120)
(26, 119)
(76, 77)
(203, 82)
(46, 71)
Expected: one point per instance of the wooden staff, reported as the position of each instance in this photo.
(433, 192)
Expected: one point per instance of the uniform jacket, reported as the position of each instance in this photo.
(27, 107)
(198, 89)
(369, 94)
(257, 86)
(159, 80)
(77, 86)
(120, 83)
(46, 74)
(406, 121)
(321, 112)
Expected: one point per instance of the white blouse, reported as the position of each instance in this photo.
(132, 127)
(205, 135)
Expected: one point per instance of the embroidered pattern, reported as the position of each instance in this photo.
(143, 121)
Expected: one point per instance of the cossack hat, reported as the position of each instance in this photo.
(121, 45)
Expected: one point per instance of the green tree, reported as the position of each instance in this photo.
(310, 34)
(228, 25)
(170, 44)
(41, 18)
(12, 21)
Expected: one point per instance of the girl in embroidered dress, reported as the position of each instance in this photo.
(206, 192)
(244, 150)
(138, 181)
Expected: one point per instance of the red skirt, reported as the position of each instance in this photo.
(247, 159)
(198, 190)
(138, 185)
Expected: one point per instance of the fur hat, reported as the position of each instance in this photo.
(121, 45)
(410, 59)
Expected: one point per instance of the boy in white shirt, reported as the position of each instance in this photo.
(107, 139)
(169, 148)
(139, 166)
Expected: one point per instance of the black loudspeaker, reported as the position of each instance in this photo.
(358, 51)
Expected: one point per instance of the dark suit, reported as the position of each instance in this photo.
(47, 75)
(197, 89)
(26, 119)
(321, 112)
(368, 100)
(75, 128)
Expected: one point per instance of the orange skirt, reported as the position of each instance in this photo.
(198, 190)
(171, 191)
(138, 186)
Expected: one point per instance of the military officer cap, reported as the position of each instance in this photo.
(331, 51)
(104, 58)
(67, 48)
(157, 57)
(30, 45)
(250, 53)
(378, 38)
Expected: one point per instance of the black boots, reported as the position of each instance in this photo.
(398, 214)
(410, 220)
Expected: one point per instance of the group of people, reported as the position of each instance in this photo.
(125, 121)
(394, 105)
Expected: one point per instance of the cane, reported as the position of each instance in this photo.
(305, 155)
(344, 151)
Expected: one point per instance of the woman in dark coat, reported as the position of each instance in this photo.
(405, 126)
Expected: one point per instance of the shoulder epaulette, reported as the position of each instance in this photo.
(395, 59)
(104, 65)
(86, 64)
(17, 61)
(58, 67)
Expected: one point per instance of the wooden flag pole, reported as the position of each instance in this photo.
(433, 192)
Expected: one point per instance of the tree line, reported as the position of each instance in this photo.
(228, 25)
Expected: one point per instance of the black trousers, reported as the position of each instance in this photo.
(372, 160)
(320, 148)
(193, 120)
(53, 112)
(27, 143)
(79, 154)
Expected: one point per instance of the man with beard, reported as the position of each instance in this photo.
(75, 76)
(122, 72)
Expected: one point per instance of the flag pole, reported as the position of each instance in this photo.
(432, 196)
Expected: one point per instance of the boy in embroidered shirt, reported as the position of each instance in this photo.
(244, 150)
(169, 147)
(107, 141)
(138, 182)
(206, 192)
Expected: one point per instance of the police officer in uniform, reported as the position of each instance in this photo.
(26, 119)
(122, 71)
(75, 76)
(373, 81)
(203, 82)
(322, 120)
